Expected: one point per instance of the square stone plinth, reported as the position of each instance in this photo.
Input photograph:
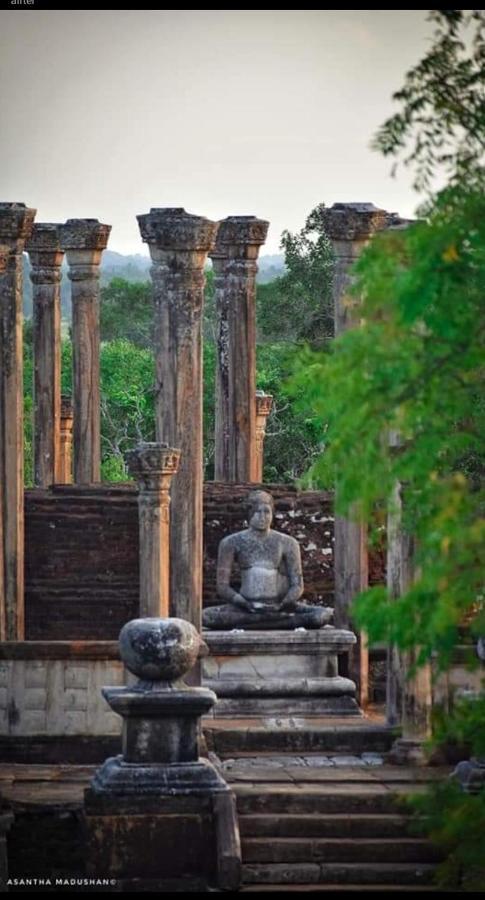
(169, 842)
(279, 672)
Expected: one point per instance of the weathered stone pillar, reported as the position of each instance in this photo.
(46, 258)
(16, 222)
(179, 244)
(264, 403)
(409, 699)
(64, 473)
(84, 241)
(153, 466)
(350, 227)
(235, 266)
(3, 266)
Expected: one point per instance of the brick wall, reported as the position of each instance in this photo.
(81, 575)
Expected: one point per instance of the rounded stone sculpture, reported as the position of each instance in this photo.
(159, 649)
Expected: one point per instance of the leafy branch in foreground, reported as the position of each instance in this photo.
(415, 367)
(441, 123)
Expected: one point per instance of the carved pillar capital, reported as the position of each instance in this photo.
(153, 464)
(16, 222)
(350, 227)
(45, 253)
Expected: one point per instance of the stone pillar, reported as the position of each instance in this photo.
(409, 699)
(153, 466)
(235, 266)
(350, 226)
(46, 258)
(84, 241)
(3, 266)
(179, 244)
(16, 222)
(264, 403)
(64, 473)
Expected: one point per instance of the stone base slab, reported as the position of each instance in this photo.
(139, 839)
(197, 778)
(279, 673)
(286, 706)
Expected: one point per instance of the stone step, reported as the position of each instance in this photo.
(317, 798)
(339, 873)
(297, 736)
(309, 826)
(334, 850)
(322, 888)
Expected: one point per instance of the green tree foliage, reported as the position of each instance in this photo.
(297, 306)
(440, 123)
(127, 312)
(127, 404)
(415, 367)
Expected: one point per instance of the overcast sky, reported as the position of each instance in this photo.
(107, 113)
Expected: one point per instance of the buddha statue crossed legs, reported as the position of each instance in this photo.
(271, 578)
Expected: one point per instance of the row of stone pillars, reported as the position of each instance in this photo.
(241, 412)
(179, 245)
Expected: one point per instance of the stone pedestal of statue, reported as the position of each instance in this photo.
(279, 673)
(159, 817)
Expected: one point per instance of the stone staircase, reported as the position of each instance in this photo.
(338, 835)
(319, 808)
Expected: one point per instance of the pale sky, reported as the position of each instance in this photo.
(107, 113)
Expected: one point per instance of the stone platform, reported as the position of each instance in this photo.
(272, 673)
(304, 824)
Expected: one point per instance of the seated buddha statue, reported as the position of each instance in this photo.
(271, 578)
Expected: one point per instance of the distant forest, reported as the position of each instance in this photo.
(133, 268)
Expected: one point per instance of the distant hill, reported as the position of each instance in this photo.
(134, 267)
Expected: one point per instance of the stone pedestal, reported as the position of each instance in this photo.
(278, 673)
(152, 813)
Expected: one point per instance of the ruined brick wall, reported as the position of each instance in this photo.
(82, 552)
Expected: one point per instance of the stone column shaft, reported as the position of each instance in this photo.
(46, 259)
(3, 266)
(179, 244)
(350, 227)
(64, 473)
(153, 466)
(84, 241)
(235, 267)
(15, 226)
(409, 699)
(264, 403)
